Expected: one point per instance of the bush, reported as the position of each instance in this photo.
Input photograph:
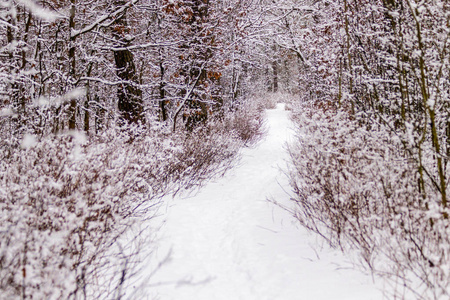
(65, 200)
(357, 188)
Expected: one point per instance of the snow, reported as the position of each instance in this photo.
(6, 112)
(28, 141)
(38, 11)
(55, 101)
(229, 242)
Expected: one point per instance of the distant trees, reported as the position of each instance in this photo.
(159, 58)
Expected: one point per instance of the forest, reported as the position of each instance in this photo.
(108, 106)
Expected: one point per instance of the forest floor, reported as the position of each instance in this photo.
(229, 242)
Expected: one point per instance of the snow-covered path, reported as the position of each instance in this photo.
(228, 242)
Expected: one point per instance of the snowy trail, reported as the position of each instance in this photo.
(228, 242)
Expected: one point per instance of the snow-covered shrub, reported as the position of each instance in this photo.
(247, 124)
(204, 153)
(358, 187)
(63, 201)
(268, 100)
(66, 199)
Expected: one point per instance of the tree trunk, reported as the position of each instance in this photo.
(129, 95)
(73, 102)
(162, 93)
(275, 76)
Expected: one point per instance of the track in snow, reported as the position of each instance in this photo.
(228, 242)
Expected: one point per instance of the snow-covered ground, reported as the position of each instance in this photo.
(228, 242)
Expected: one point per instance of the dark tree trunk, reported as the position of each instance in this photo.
(73, 102)
(129, 95)
(275, 76)
(162, 93)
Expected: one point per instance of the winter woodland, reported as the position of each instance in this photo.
(108, 106)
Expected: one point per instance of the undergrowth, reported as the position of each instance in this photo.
(66, 199)
(358, 187)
